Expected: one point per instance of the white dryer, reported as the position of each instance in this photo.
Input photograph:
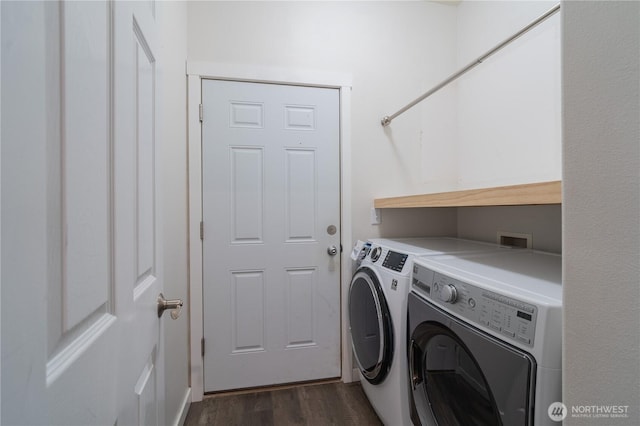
(485, 339)
(378, 313)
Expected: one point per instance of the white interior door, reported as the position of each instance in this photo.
(84, 343)
(271, 209)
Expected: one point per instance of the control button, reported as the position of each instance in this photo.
(472, 302)
(509, 333)
(524, 339)
(523, 329)
(497, 315)
(495, 326)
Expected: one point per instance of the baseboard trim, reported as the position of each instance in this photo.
(355, 375)
(182, 413)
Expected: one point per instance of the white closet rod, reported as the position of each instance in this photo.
(387, 119)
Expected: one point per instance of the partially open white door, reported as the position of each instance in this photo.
(80, 247)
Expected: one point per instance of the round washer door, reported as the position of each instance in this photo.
(370, 325)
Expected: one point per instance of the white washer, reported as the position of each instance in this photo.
(378, 313)
(485, 338)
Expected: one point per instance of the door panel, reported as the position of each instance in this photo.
(270, 194)
(145, 146)
(86, 167)
(82, 322)
(300, 191)
(80, 171)
(145, 391)
(247, 183)
(248, 311)
(300, 287)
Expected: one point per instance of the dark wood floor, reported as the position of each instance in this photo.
(315, 404)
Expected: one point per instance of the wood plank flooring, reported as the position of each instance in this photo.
(313, 404)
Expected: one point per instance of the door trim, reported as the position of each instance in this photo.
(196, 71)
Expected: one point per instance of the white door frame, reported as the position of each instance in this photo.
(196, 71)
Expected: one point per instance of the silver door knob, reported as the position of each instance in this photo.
(174, 304)
(332, 250)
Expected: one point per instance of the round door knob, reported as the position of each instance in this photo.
(174, 304)
(448, 293)
(332, 250)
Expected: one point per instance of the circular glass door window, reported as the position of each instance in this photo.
(370, 324)
(456, 389)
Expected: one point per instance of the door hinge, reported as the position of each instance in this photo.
(201, 113)
(202, 347)
(202, 231)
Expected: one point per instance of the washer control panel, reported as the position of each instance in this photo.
(395, 261)
(510, 317)
(390, 259)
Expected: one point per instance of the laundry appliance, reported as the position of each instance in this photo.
(485, 339)
(378, 313)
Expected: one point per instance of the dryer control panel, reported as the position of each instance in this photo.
(510, 317)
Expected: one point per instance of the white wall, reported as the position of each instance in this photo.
(508, 107)
(508, 116)
(173, 115)
(543, 223)
(601, 206)
(393, 50)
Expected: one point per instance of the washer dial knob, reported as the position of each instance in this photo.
(375, 254)
(448, 293)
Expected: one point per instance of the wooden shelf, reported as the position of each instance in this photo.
(514, 195)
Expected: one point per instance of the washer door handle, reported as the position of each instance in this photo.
(416, 379)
